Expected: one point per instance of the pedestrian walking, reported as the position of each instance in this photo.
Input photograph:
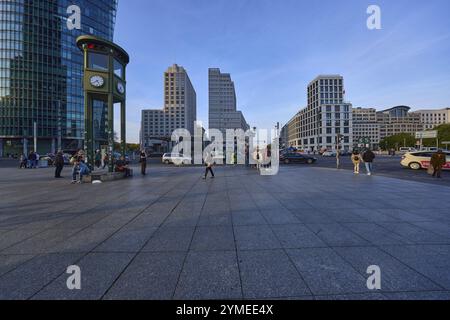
(209, 167)
(143, 162)
(438, 161)
(59, 164)
(105, 161)
(368, 158)
(98, 159)
(356, 159)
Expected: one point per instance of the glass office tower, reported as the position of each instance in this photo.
(41, 72)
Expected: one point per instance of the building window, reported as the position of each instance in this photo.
(98, 61)
(118, 69)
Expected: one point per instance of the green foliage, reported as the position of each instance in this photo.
(408, 140)
(398, 141)
(134, 147)
(131, 147)
(444, 133)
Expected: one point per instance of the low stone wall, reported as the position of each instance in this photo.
(104, 176)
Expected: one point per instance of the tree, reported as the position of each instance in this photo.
(443, 135)
(398, 141)
(131, 147)
(408, 140)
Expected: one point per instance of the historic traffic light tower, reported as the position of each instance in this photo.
(104, 86)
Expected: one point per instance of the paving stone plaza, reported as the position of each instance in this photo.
(308, 233)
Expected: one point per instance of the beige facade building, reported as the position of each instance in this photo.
(433, 118)
(179, 112)
(366, 129)
(291, 132)
(327, 117)
(398, 120)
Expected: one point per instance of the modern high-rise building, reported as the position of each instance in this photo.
(326, 121)
(180, 99)
(433, 118)
(41, 72)
(180, 110)
(223, 113)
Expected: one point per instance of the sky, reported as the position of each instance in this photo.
(274, 48)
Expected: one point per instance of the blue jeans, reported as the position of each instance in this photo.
(75, 170)
(82, 169)
(369, 167)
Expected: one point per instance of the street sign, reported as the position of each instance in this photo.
(365, 140)
(445, 142)
(427, 135)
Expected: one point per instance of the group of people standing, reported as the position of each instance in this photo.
(367, 157)
(437, 163)
(29, 162)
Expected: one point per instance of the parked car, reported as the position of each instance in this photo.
(407, 150)
(421, 160)
(329, 154)
(289, 158)
(156, 154)
(176, 158)
(49, 157)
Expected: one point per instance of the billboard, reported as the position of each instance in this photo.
(427, 135)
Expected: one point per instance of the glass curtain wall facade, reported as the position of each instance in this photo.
(41, 72)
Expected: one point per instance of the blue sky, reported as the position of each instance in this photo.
(274, 48)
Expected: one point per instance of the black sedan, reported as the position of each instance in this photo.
(289, 158)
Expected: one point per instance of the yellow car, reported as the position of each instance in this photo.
(421, 160)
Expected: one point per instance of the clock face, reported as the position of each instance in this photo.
(97, 81)
(120, 88)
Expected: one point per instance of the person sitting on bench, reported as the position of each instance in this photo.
(122, 166)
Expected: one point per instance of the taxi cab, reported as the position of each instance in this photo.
(421, 160)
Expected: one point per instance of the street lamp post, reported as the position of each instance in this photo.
(339, 139)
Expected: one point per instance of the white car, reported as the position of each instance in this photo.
(407, 150)
(329, 154)
(176, 159)
(421, 160)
